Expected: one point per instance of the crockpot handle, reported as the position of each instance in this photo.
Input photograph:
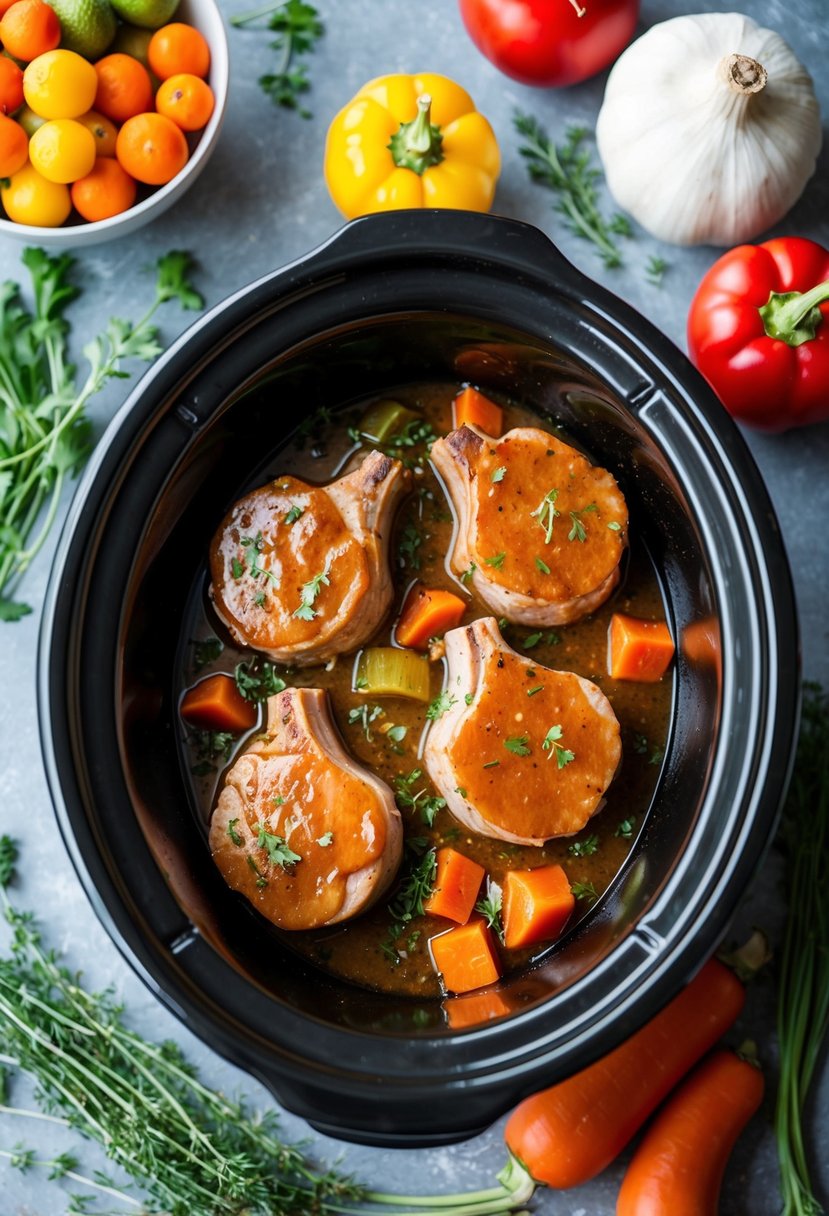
(448, 234)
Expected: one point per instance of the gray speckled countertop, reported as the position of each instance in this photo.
(262, 202)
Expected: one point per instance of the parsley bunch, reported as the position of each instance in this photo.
(297, 27)
(45, 435)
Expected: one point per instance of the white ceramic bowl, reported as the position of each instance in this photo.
(205, 16)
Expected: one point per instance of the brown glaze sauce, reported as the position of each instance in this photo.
(420, 545)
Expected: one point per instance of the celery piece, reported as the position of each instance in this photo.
(385, 671)
(384, 419)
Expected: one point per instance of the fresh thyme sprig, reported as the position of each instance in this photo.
(190, 1151)
(298, 28)
(45, 435)
(568, 171)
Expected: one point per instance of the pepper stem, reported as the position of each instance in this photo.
(794, 316)
(417, 145)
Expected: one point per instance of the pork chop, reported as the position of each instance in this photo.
(300, 572)
(540, 531)
(523, 753)
(305, 833)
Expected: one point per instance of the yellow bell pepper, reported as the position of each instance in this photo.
(411, 141)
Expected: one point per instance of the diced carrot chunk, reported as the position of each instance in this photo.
(216, 704)
(465, 957)
(472, 408)
(464, 1011)
(457, 882)
(638, 650)
(426, 613)
(537, 904)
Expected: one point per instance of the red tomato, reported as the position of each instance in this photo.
(550, 42)
(758, 330)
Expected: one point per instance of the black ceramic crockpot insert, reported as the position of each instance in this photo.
(412, 296)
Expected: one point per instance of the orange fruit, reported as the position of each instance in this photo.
(106, 191)
(14, 146)
(5, 5)
(60, 84)
(151, 148)
(124, 87)
(178, 48)
(31, 199)
(187, 100)
(105, 132)
(29, 28)
(11, 86)
(62, 150)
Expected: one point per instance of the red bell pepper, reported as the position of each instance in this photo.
(758, 330)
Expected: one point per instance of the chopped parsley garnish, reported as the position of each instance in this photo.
(492, 764)
(397, 733)
(626, 827)
(584, 848)
(408, 546)
(205, 651)
(261, 880)
(578, 530)
(210, 746)
(466, 577)
(308, 596)
(231, 831)
(254, 546)
(584, 890)
(498, 474)
(294, 514)
(542, 566)
(640, 744)
(438, 707)
(279, 853)
(551, 744)
(468, 698)
(365, 714)
(460, 790)
(278, 800)
(519, 745)
(656, 755)
(490, 907)
(426, 805)
(550, 638)
(546, 513)
(655, 269)
(325, 840)
(497, 561)
(237, 568)
(257, 679)
(408, 902)
(415, 433)
(536, 688)
(614, 526)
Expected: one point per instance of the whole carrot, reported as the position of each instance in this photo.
(678, 1168)
(568, 1133)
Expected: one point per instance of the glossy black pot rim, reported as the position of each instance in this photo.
(687, 918)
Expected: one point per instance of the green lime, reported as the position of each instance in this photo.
(132, 40)
(150, 14)
(87, 26)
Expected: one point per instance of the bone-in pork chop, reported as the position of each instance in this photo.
(540, 530)
(523, 753)
(306, 834)
(300, 572)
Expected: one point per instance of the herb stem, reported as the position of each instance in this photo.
(122, 1196)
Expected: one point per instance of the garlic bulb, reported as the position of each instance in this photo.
(709, 129)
